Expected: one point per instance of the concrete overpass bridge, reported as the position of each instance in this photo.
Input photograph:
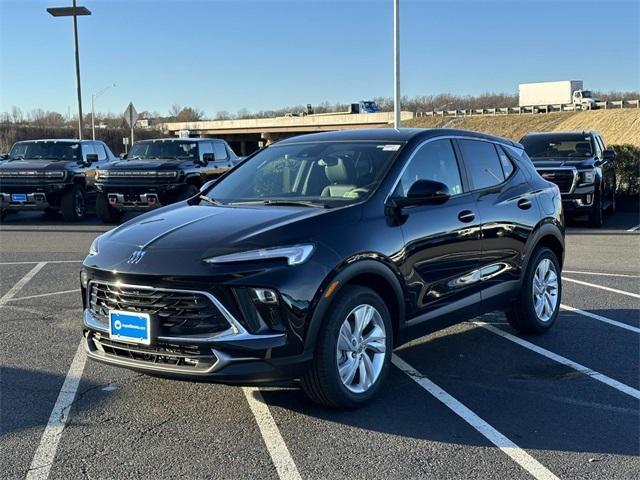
(247, 135)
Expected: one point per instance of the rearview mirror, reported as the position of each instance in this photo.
(424, 192)
(608, 155)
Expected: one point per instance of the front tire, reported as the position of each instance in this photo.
(594, 219)
(106, 212)
(73, 204)
(353, 352)
(538, 303)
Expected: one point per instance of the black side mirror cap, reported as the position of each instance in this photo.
(608, 155)
(92, 158)
(424, 192)
(207, 157)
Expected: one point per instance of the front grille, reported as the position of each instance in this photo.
(564, 179)
(159, 355)
(173, 313)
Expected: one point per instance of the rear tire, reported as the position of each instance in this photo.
(340, 376)
(107, 213)
(73, 205)
(536, 308)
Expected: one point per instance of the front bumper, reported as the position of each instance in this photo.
(128, 197)
(580, 200)
(32, 201)
(233, 355)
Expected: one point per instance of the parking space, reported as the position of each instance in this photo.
(473, 401)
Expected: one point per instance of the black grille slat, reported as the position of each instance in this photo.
(176, 313)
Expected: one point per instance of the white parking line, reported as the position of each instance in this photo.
(621, 387)
(624, 275)
(278, 450)
(15, 299)
(601, 287)
(518, 455)
(46, 261)
(600, 318)
(633, 229)
(46, 451)
(21, 283)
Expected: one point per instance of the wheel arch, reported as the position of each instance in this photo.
(547, 234)
(373, 274)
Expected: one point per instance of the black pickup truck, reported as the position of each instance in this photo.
(581, 166)
(50, 175)
(159, 172)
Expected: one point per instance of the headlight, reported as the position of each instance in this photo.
(170, 174)
(54, 174)
(295, 255)
(588, 176)
(101, 173)
(94, 248)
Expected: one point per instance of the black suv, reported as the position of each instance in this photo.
(159, 172)
(50, 175)
(316, 256)
(581, 166)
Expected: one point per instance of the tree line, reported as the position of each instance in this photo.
(178, 113)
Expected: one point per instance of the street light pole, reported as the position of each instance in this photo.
(79, 88)
(74, 11)
(396, 64)
(93, 110)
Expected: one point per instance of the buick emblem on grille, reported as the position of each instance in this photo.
(136, 256)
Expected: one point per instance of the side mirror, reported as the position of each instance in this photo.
(122, 156)
(608, 155)
(92, 158)
(206, 185)
(207, 157)
(4, 156)
(424, 192)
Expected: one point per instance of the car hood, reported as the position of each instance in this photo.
(563, 162)
(37, 164)
(161, 164)
(183, 234)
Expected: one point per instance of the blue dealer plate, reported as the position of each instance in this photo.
(132, 327)
(18, 197)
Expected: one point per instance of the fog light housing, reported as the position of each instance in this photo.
(266, 296)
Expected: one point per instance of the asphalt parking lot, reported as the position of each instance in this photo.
(473, 401)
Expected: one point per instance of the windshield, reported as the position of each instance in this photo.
(557, 147)
(324, 174)
(586, 94)
(45, 151)
(163, 149)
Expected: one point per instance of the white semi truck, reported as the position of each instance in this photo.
(556, 93)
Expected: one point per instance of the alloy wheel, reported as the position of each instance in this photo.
(545, 290)
(79, 204)
(361, 348)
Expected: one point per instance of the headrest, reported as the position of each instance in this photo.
(338, 171)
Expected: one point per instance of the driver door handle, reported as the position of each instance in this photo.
(524, 204)
(466, 216)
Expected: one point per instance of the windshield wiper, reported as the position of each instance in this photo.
(295, 203)
(209, 200)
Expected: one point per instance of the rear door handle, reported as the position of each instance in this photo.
(466, 216)
(524, 204)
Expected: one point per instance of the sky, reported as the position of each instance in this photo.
(259, 55)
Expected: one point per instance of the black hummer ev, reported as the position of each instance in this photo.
(581, 166)
(159, 172)
(50, 175)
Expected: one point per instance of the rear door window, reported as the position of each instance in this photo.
(484, 166)
(219, 151)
